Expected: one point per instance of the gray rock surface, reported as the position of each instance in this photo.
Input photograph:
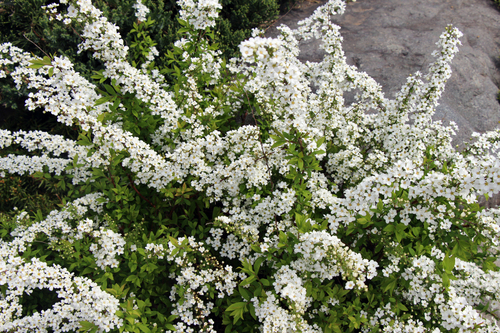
(390, 39)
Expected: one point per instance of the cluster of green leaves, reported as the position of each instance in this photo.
(30, 193)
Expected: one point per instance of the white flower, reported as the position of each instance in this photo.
(140, 10)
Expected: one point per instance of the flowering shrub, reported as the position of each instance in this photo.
(23, 22)
(318, 217)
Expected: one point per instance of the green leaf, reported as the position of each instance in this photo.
(278, 143)
(282, 235)
(35, 65)
(102, 116)
(318, 152)
(236, 306)
(85, 326)
(39, 63)
(252, 311)
(350, 229)
(277, 137)
(109, 89)
(446, 280)
(300, 163)
(170, 327)
(132, 266)
(256, 248)
(449, 263)
(103, 100)
(237, 310)
(320, 142)
(244, 293)
(143, 328)
(46, 60)
(400, 235)
(257, 264)
(364, 219)
(98, 75)
(389, 228)
(401, 306)
(258, 291)
(248, 280)
(134, 279)
(173, 241)
(390, 285)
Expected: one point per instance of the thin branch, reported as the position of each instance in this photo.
(24, 35)
(137, 191)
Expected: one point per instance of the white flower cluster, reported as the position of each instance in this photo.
(200, 14)
(50, 146)
(457, 313)
(278, 81)
(140, 10)
(324, 256)
(22, 164)
(57, 225)
(69, 96)
(454, 306)
(5, 138)
(80, 297)
(108, 48)
(155, 250)
(386, 317)
(289, 285)
(110, 245)
(393, 267)
(476, 287)
(192, 307)
(421, 271)
(276, 319)
(209, 63)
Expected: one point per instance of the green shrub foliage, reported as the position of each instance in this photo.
(179, 216)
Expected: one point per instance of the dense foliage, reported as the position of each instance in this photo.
(180, 216)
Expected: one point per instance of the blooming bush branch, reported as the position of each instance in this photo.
(315, 216)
